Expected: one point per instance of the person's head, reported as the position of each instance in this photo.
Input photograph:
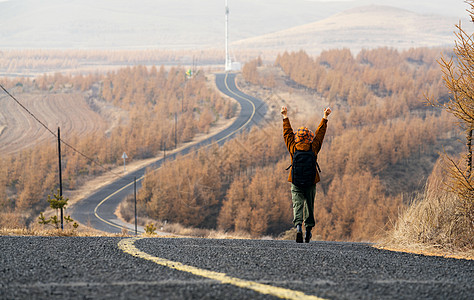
(304, 135)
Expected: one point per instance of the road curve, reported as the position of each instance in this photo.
(188, 268)
(98, 209)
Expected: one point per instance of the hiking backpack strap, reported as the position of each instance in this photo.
(317, 165)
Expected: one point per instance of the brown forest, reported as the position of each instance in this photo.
(21, 62)
(381, 145)
(155, 101)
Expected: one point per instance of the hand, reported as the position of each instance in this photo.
(284, 112)
(327, 112)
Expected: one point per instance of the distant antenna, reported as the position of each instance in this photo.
(228, 62)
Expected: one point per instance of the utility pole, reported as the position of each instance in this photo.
(135, 196)
(164, 151)
(60, 176)
(176, 130)
(228, 63)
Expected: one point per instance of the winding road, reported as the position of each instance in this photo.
(98, 209)
(38, 267)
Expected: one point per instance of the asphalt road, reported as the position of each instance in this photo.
(160, 268)
(98, 209)
(185, 268)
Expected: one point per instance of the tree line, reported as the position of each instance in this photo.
(38, 61)
(381, 145)
(163, 109)
(441, 220)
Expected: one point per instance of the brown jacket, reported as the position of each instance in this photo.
(289, 137)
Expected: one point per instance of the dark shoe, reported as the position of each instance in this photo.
(307, 236)
(299, 237)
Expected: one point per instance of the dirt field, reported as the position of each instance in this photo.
(70, 112)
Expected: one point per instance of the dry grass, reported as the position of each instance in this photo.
(55, 232)
(178, 230)
(165, 230)
(170, 230)
(433, 225)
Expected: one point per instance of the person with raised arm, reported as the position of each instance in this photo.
(303, 146)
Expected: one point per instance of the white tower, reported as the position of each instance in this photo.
(228, 62)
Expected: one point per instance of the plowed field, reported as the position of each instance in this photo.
(70, 112)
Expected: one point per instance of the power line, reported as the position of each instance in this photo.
(22, 106)
(55, 135)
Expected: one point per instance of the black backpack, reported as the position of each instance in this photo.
(303, 172)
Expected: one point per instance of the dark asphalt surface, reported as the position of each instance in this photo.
(95, 268)
(103, 218)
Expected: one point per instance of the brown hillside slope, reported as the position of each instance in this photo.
(19, 130)
(360, 28)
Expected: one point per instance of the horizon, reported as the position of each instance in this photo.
(177, 25)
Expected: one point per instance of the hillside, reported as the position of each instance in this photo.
(380, 147)
(144, 24)
(73, 115)
(186, 24)
(147, 126)
(363, 27)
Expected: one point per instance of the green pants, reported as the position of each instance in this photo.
(303, 200)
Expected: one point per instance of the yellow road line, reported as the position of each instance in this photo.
(107, 198)
(127, 246)
(138, 179)
(248, 100)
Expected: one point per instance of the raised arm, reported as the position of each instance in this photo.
(288, 134)
(321, 131)
(327, 112)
